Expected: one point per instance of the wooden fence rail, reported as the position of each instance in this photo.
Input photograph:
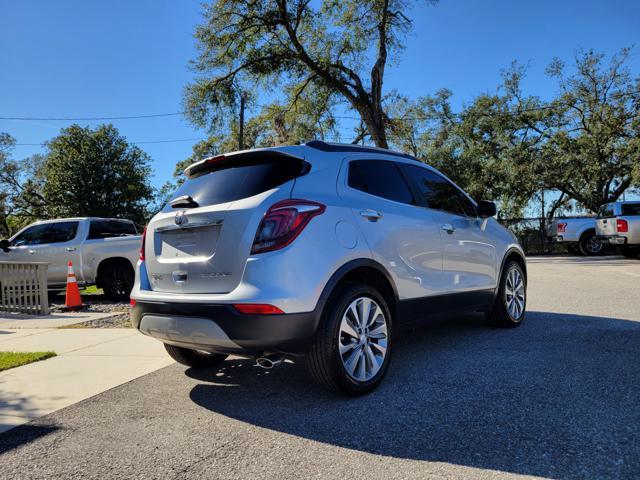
(23, 287)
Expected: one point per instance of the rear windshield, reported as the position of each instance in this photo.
(240, 179)
(631, 209)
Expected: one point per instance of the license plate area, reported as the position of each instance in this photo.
(187, 244)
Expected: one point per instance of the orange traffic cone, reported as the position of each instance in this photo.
(72, 300)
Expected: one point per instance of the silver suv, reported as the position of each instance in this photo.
(322, 251)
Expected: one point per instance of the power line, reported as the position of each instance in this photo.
(346, 117)
(71, 119)
(135, 143)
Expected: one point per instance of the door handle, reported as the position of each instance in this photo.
(70, 249)
(32, 252)
(371, 214)
(447, 227)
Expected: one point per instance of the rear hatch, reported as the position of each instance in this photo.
(606, 222)
(201, 239)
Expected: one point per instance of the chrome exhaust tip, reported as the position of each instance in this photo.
(269, 361)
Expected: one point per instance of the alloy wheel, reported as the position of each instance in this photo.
(363, 337)
(514, 292)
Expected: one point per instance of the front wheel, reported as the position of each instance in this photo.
(194, 358)
(509, 306)
(352, 348)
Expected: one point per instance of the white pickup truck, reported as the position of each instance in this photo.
(578, 233)
(103, 251)
(619, 224)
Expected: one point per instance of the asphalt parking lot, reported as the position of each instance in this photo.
(558, 397)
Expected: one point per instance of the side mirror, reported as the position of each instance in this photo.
(4, 245)
(486, 209)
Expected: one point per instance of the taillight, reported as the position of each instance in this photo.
(144, 237)
(257, 309)
(283, 222)
(622, 226)
(562, 226)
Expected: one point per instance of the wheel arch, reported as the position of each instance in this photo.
(106, 262)
(362, 270)
(517, 256)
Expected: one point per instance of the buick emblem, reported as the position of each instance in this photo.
(180, 218)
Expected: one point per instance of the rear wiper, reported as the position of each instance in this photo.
(185, 201)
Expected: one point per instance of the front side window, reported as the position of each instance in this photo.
(380, 178)
(438, 193)
(47, 233)
(31, 236)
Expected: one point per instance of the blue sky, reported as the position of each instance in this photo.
(72, 58)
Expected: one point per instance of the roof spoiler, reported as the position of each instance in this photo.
(247, 157)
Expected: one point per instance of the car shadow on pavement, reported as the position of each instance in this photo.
(558, 397)
(23, 435)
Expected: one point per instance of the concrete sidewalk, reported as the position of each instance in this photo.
(89, 362)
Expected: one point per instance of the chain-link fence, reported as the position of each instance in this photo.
(532, 234)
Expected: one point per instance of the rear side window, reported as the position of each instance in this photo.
(380, 178)
(109, 229)
(60, 232)
(239, 179)
(606, 211)
(439, 193)
(630, 209)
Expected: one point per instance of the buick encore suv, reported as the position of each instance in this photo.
(319, 251)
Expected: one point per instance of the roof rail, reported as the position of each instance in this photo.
(342, 147)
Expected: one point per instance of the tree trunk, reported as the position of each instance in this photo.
(375, 124)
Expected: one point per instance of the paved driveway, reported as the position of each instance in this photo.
(558, 397)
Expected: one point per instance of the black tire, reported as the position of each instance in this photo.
(500, 315)
(194, 358)
(117, 280)
(630, 251)
(324, 360)
(588, 245)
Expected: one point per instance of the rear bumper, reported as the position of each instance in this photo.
(612, 239)
(222, 329)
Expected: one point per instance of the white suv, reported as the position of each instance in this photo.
(321, 251)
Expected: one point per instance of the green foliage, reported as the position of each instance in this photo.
(593, 153)
(96, 173)
(336, 52)
(511, 147)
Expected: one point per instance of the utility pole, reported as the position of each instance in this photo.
(241, 130)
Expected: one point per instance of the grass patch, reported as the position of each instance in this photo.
(92, 290)
(16, 359)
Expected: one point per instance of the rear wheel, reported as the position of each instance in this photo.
(117, 280)
(509, 307)
(352, 348)
(194, 358)
(630, 251)
(588, 244)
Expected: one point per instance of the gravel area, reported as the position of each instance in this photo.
(97, 303)
(121, 320)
